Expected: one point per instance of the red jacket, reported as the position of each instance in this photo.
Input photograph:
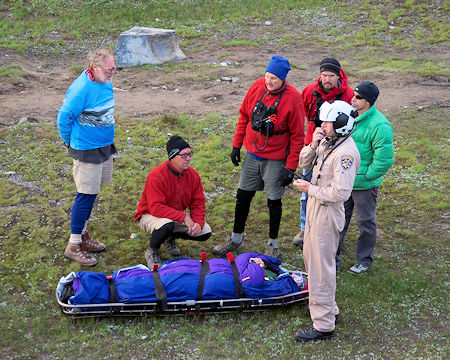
(290, 117)
(309, 100)
(167, 193)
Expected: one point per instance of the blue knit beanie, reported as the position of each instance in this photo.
(278, 66)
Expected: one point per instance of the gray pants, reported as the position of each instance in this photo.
(366, 203)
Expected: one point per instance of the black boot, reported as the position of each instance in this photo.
(312, 334)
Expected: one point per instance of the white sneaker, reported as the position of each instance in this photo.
(358, 269)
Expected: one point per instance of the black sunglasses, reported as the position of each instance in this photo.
(359, 97)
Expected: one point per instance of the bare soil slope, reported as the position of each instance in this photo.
(193, 88)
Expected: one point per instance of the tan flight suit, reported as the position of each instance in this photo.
(331, 185)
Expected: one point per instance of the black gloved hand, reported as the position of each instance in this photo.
(286, 176)
(235, 156)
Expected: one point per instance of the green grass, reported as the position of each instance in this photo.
(398, 310)
(401, 302)
(10, 71)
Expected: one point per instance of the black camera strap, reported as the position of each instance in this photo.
(277, 101)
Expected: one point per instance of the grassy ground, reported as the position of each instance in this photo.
(397, 310)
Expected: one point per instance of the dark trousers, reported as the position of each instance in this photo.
(166, 231)
(243, 200)
(365, 202)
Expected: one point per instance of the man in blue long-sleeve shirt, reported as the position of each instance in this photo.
(86, 126)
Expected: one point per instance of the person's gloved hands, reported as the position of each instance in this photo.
(286, 176)
(235, 156)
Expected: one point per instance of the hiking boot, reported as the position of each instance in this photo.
(312, 334)
(91, 244)
(272, 251)
(170, 245)
(227, 246)
(298, 239)
(152, 256)
(78, 253)
(358, 269)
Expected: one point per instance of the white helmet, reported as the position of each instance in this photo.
(341, 114)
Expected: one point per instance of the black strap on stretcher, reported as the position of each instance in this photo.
(112, 292)
(161, 296)
(238, 288)
(204, 270)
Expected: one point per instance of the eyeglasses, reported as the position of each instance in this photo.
(359, 97)
(186, 155)
(109, 70)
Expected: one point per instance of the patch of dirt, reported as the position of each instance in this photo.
(39, 92)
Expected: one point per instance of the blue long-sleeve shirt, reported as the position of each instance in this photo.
(86, 118)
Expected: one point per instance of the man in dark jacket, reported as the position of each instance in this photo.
(331, 85)
(271, 127)
(373, 136)
(169, 190)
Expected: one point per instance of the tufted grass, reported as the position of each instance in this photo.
(398, 310)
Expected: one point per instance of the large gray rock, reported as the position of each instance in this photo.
(143, 45)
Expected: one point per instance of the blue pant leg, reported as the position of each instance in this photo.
(81, 210)
(303, 201)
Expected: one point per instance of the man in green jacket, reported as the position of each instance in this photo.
(373, 136)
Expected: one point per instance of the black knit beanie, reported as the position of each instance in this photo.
(330, 64)
(368, 91)
(175, 145)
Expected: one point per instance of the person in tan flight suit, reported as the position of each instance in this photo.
(335, 160)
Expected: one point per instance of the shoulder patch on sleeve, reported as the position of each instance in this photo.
(346, 161)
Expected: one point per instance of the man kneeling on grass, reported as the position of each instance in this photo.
(169, 190)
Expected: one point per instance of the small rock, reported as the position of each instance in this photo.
(391, 27)
(268, 23)
(177, 90)
(224, 64)
(234, 79)
(226, 78)
(23, 120)
(128, 138)
(169, 134)
(155, 87)
(133, 236)
(165, 87)
(144, 337)
(218, 80)
(420, 108)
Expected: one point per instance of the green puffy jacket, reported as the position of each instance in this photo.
(373, 136)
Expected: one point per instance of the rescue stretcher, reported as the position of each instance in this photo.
(115, 297)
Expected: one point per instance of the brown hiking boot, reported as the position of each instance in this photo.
(272, 251)
(227, 247)
(170, 245)
(153, 256)
(78, 253)
(91, 244)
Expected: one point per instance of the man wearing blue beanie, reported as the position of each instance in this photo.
(271, 128)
